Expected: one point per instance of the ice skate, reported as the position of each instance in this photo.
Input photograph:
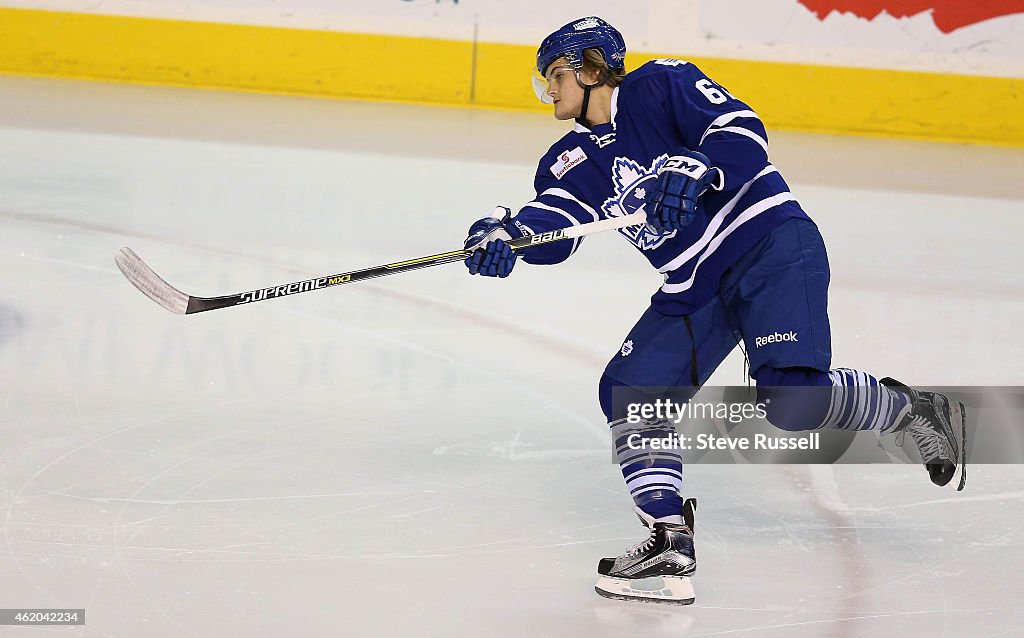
(939, 429)
(657, 570)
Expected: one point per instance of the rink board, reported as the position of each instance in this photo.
(807, 97)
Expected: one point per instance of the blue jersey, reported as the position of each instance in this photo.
(603, 172)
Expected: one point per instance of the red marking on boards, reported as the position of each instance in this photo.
(948, 15)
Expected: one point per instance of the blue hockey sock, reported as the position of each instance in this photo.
(861, 402)
(844, 399)
(654, 477)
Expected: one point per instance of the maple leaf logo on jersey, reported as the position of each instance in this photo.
(631, 184)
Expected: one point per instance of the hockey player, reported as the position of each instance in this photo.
(741, 260)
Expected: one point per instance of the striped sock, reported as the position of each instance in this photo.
(654, 477)
(861, 402)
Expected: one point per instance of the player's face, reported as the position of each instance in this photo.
(564, 90)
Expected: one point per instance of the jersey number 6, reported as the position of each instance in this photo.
(715, 93)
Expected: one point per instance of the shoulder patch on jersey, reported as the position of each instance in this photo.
(603, 140)
(568, 160)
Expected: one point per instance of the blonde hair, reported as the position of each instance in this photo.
(593, 61)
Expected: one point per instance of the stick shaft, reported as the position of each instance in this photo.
(154, 287)
(202, 304)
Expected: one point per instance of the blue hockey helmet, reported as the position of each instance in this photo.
(586, 33)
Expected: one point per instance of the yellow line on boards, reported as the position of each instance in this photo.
(230, 56)
(988, 110)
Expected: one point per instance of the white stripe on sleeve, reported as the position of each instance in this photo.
(564, 194)
(716, 223)
(572, 220)
(722, 120)
(746, 133)
(553, 209)
(745, 216)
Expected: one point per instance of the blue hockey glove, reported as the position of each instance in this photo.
(672, 201)
(491, 256)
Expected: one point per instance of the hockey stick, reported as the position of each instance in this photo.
(153, 286)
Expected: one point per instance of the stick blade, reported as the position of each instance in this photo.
(149, 283)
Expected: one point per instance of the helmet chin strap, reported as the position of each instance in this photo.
(582, 119)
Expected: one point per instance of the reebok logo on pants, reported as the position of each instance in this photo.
(775, 338)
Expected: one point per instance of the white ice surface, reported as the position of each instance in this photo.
(424, 455)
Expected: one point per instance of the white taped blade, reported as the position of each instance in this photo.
(142, 277)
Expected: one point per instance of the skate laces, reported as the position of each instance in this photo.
(642, 546)
(929, 440)
(901, 436)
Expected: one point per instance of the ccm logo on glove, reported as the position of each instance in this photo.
(685, 165)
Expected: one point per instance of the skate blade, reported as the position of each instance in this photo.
(675, 590)
(959, 415)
